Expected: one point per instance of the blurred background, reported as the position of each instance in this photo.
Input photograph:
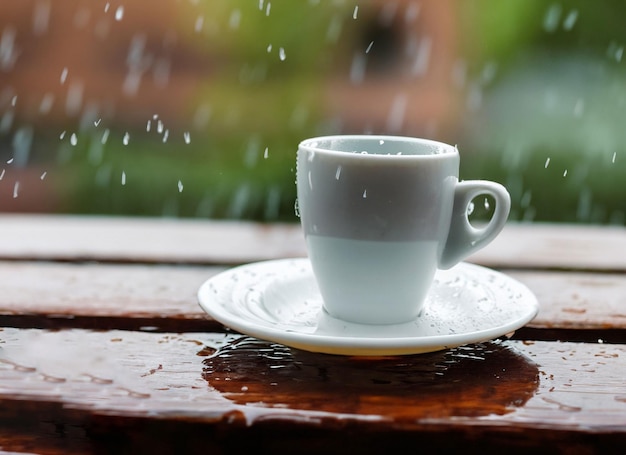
(194, 108)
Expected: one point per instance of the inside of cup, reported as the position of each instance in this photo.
(379, 145)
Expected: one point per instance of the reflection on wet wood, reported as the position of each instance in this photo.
(73, 375)
(462, 382)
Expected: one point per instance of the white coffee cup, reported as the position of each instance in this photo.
(380, 215)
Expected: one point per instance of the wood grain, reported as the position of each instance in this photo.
(94, 295)
(491, 393)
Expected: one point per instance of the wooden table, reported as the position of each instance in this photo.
(103, 348)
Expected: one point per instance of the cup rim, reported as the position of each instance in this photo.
(446, 150)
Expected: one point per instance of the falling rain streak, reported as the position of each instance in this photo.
(148, 62)
(119, 13)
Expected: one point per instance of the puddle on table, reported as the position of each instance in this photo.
(476, 380)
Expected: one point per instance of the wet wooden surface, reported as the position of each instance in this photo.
(103, 348)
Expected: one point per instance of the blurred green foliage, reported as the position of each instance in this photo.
(549, 77)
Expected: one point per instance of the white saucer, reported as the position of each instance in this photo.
(279, 301)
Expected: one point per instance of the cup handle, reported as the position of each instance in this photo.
(463, 238)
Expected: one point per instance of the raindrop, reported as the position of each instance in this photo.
(235, 19)
(387, 13)
(381, 142)
(105, 136)
(412, 12)
(252, 152)
(6, 121)
(369, 47)
(123, 178)
(240, 201)
(552, 18)
(73, 139)
(487, 205)
(148, 126)
(459, 73)
(159, 127)
(619, 51)
(74, 99)
(46, 103)
(161, 74)
(10, 160)
(199, 23)
(268, 8)
(334, 29)
(281, 54)
(583, 210)
(187, 137)
(166, 134)
(202, 116)
(97, 122)
(310, 181)
(396, 114)
(266, 153)
(470, 208)
(95, 152)
(2, 174)
(422, 57)
(63, 75)
(126, 138)
(41, 18)
(357, 68)
(272, 204)
(364, 194)
(261, 5)
(565, 173)
(338, 173)
(119, 13)
(14, 101)
(8, 52)
(570, 20)
(547, 163)
(43, 176)
(106, 7)
(180, 186)
(614, 156)
(62, 135)
(296, 204)
(356, 12)
(22, 142)
(103, 176)
(269, 48)
(16, 189)
(579, 108)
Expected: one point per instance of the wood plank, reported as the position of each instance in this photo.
(575, 300)
(125, 239)
(103, 296)
(131, 296)
(231, 388)
(557, 246)
(133, 239)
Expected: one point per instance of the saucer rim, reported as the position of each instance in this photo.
(362, 345)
